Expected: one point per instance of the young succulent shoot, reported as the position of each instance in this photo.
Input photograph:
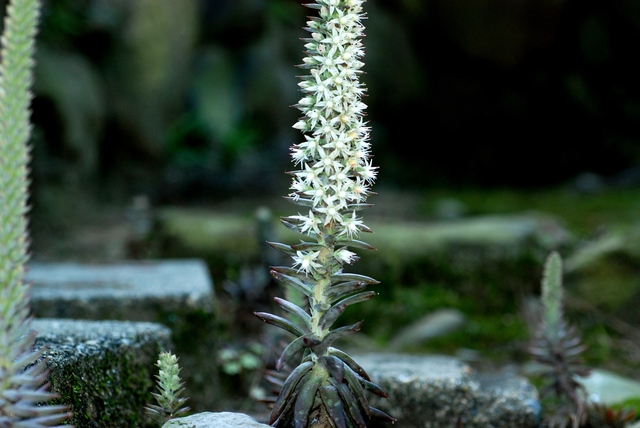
(170, 403)
(326, 387)
(557, 345)
(23, 372)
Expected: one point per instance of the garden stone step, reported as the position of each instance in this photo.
(103, 369)
(215, 420)
(176, 293)
(433, 391)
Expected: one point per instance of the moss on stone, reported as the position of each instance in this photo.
(103, 370)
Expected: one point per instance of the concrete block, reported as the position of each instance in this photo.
(429, 391)
(215, 420)
(175, 293)
(103, 369)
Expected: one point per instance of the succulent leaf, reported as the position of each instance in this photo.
(355, 244)
(301, 286)
(337, 292)
(351, 405)
(295, 310)
(355, 385)
(350, 362)
(335, 367)
(348, 277)
(283, 323)
(305, 401)
(281, 247)
(308, 246)
(292, 349)
(333, 403)
(380, 416)
(296, 376)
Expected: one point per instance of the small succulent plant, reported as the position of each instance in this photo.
(170, 403)
(557, 345)
(23, 373)
(326, 387)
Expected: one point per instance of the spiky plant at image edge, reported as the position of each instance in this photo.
(557, 345)
(326, 387)
(170, 403)
(23, 372)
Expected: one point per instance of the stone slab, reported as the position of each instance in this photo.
(129, 290)
(103, 369)
(215, 420)
(442, 392)
(176, 293)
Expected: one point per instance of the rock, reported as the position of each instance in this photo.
(442, 392)
(435, 324)
(176, 293)
(103, 369)
(215, 420)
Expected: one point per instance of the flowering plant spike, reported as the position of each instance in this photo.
(326, 387)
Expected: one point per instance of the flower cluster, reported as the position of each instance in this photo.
(335, 171)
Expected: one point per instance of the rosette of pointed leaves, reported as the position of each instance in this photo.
(558, 347)
(325, 386)
(170, 403)
(22, 370)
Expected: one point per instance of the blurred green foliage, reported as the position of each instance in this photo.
(193, 96)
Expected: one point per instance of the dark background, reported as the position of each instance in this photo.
(188, 101)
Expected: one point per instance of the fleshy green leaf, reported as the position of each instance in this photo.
(333, 405)
(300, 285)
(351, 404)
(297, 345)
(380, 416)
(349, 362)
(297, 375)
(335, 367)
(337, 292)
(304, 401)
(283, 323)
(355, 244)
(344, 277)
(295, 310)
(282, 247)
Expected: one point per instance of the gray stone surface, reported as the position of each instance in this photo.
(215, 420)
(175, 293)
(442, 392)
(103, 369)
(125, 290)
